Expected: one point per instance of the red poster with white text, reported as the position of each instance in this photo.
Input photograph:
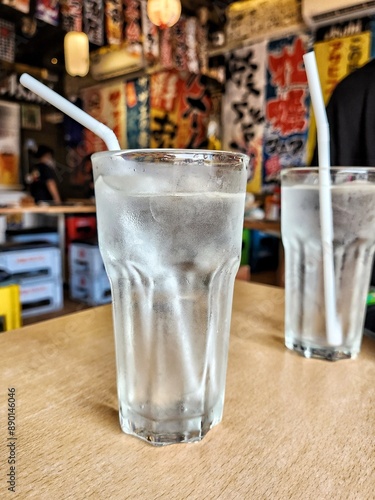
(287, 107)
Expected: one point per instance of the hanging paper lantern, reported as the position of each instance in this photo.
(76, 53)
(164, 13)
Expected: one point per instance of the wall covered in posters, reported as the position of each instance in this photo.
(169, 109)
(165, 110)
(266, 111)
(266, 108)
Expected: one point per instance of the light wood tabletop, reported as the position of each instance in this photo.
(293, 428)
(48, 209)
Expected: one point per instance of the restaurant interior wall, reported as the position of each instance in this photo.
(263, 106)
(278, 131)
(246, 124)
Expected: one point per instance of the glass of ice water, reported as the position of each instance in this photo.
(170, 234)
(353, 208)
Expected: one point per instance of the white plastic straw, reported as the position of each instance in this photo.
(333, 327)
(49, 95)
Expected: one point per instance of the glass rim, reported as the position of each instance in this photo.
(183, 152)
(307, 169)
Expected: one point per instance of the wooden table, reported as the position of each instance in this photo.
(59, 211)
(293, 428)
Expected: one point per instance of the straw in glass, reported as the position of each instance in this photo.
(333, 327)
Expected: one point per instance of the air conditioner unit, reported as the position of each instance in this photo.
(317, 13)
(115, 62)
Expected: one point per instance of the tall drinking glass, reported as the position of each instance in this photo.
(170, 233)
(353, 207)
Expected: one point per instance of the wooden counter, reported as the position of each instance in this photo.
(267, 226)
(293, 428)
(48, 209)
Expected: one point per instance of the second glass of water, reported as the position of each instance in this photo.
(353, 209)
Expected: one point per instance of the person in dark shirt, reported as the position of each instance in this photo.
(43, 179)
(351, 115)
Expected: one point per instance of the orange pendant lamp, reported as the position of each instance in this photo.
(164, 13)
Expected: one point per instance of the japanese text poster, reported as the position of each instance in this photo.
(180, 107)
(287, 107)
(243, 107)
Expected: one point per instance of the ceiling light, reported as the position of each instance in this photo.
(164, 13)
(76, 53)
